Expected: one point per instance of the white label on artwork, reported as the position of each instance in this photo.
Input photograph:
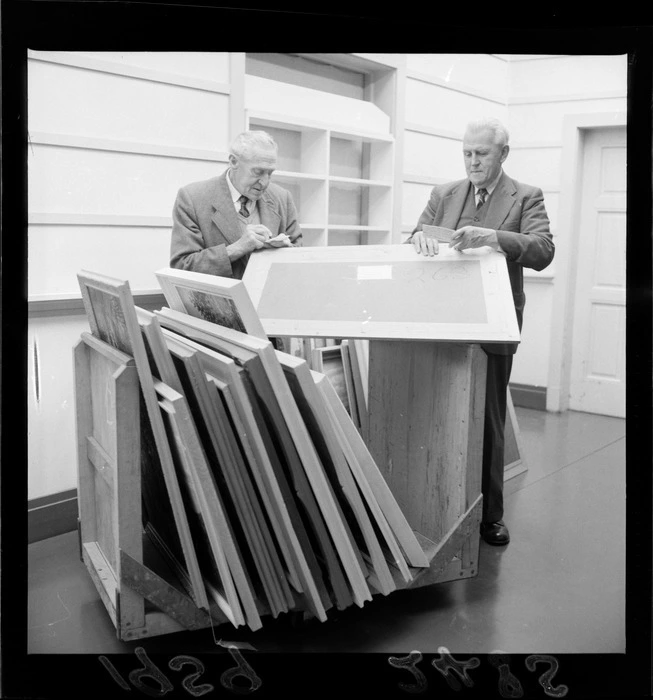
(374, 272)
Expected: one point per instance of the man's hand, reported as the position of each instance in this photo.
(253, 238)
(474, 237)
(424, 245)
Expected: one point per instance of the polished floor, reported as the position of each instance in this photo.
(558, 587)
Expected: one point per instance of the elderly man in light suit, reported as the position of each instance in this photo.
(218, 223)
(488, 208)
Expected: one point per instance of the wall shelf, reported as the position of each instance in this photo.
(342, 181)
(353, 182)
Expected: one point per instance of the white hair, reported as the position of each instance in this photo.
(246, 143)
(501, 135)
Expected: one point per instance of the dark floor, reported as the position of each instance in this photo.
(558, 587)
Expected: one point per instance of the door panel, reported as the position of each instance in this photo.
(598, 345)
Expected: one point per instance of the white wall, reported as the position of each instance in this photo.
(112, 137)
(52, 446)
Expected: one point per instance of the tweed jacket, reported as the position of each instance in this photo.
(204, 223)
(516, 211)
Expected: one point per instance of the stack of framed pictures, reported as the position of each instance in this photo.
(257, 487)
(346, 366)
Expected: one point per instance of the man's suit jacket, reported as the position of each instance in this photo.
(517, 213)
(204, 222)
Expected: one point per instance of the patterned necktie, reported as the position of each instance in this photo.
(243, 206)
(482, 196)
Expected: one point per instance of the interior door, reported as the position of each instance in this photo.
(599, 331)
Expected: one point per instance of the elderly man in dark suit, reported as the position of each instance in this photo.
(488, 208)
(218, 223)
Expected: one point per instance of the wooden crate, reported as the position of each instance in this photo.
(426, 408)
(139, 590)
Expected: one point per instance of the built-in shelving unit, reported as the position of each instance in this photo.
(341, 180)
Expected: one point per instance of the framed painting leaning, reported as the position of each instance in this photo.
(112, 317)
(216, 299)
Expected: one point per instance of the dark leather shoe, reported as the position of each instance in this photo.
(495, 533)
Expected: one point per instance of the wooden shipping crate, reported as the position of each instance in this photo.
(140, 592)
(426, 408)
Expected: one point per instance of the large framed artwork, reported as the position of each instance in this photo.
(383, 292)
(216, 299)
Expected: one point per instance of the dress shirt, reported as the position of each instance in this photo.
(236, 195)
(490, 188)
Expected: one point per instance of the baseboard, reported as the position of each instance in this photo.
(528, 396)
(51, 515)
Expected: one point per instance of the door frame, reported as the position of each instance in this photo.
(574, 132)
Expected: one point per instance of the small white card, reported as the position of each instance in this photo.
(440, 233)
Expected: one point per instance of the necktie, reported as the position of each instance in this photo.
(482, 196)
(243, 206)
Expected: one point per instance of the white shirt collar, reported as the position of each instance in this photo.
(235, 194)
(490, 188)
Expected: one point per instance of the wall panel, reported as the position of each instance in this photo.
(212, 65)
(464, 70)
(536, 166)
(543, 122)
(125, 252)
(531, 362)
(52, 445)
(81, 181)
(70, 100)
(443, 108)
(568, 75)
(415, 197)
(432, 156)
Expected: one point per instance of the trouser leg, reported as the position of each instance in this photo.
(498, 374)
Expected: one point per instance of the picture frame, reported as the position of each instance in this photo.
(215, 528)
(190, 458)
(368, 475)
(383, 292)
(220, 300)
(240, 490)
(111, 314)
(229, 341)
(248, 422)
(315, 413)
(271, 482)
(197, 389)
